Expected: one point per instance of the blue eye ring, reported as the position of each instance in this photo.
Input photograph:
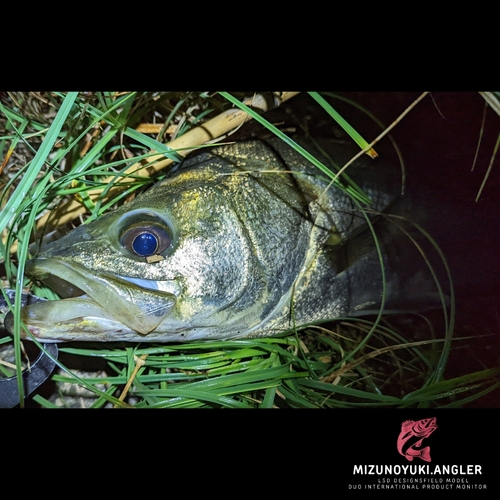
(145, 241)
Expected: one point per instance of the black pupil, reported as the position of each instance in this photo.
(145, 244)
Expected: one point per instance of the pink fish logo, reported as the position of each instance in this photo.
(420, 430)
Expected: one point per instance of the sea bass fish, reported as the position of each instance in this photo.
(244, 240)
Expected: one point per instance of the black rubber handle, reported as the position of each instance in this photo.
(40, 370)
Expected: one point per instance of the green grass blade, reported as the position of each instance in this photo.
(349, 129)
(151, 143)
(38, 161)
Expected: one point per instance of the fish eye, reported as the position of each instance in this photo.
(146, 240)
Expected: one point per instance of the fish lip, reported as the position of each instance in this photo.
(109, 296)
(69, 276)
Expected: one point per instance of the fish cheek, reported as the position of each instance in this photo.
(209, 268)
(213, 272)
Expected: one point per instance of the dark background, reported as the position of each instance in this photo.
(438, 140)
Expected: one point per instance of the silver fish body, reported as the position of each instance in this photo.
(241, 241)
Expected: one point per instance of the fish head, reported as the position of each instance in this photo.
(425, 427)
(205, 253)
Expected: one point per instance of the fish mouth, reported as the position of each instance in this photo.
(109, 305)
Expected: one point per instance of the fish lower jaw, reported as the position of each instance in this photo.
(98, 330)
(82, 319)
(86, 330)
